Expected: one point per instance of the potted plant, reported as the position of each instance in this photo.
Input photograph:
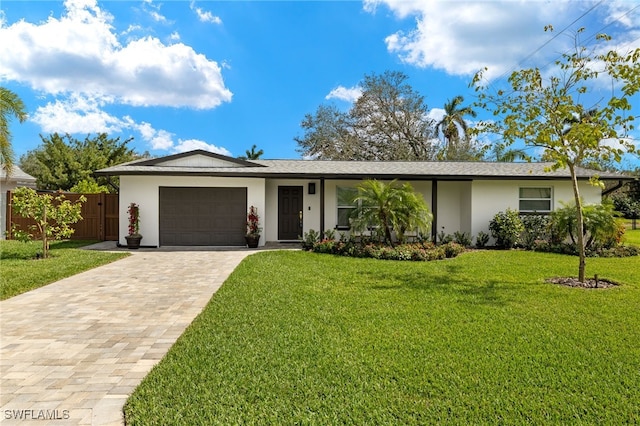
(253, 228)
(134, 237)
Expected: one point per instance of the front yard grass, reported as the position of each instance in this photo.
(632, 236)
(21, 271)
(305, 338)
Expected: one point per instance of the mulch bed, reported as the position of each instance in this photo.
(588, 282)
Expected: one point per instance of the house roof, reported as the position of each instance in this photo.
(17, 175)
(209, 164)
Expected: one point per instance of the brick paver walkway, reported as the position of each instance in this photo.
(73, 351)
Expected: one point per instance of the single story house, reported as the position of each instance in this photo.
(201, 198)
(8, 182)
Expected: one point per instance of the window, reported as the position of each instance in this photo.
(536, 200)
(345, 206)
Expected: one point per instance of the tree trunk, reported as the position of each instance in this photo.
(580, 225)
(45, 249)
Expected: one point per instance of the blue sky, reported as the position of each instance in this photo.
(224, 75)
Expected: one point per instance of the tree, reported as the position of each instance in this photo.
(548, 113)
(455, 131)
(52, 216)
(390, 207)
(252, 154)
(62, 162)
(10, 106)
(502, 154)
(387, 122)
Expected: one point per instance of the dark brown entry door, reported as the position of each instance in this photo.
(289, 212)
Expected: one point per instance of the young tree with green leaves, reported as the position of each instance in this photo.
(52, 215)
(10, 106)
(62, 161)
(391, 208)
(547, 111)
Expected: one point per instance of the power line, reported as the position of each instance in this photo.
(551, 39)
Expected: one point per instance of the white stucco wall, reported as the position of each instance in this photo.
(489, 197)
(145, 191)
(310, 206)
(454, 207)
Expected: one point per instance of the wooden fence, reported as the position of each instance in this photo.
(99, 217)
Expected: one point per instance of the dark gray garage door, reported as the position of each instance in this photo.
(202, 216)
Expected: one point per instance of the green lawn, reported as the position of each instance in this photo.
(303, 338)
(21, 271)
(632, 236)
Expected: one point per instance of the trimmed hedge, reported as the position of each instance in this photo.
(415, 251)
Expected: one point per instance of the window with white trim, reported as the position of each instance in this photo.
(345, 206)
(535, 200)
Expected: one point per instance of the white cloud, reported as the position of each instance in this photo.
(76, 115)
(436, 114)
(191, 144)
(80, 53)
(85, 115)
(463, 37)
(153, 9)
(158, 139)
(205, 15)
(345, 94)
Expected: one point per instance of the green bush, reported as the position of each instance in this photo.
(482, 239)
(462, 238)
(536, 228)
(364, 247)
(309, 239)
(601, 227)
(506, 228)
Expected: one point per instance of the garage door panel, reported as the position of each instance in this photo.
(202, 216)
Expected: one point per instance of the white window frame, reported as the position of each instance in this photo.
(549, 199)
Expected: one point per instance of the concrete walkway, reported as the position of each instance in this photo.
(73, 351)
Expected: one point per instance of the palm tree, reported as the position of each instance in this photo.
(390, 207)
(252, 154)
(10, 105)
(501, 154)
(450, 126)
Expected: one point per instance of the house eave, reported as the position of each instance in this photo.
(342, 176)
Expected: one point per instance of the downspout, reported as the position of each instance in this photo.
(322, 206)
(613, 188)
(434, 210)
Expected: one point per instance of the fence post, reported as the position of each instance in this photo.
(8, 219)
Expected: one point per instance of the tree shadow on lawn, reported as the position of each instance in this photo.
(33, 249)
(451, 280)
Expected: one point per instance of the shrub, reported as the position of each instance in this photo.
(536, 228)
(482, 239)
(415, 251)
(443, 238)
(601, 229)
(506, 228)
(462, 238)
(452, 250)
(309, 239)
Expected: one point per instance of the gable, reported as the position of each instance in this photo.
(198, 160)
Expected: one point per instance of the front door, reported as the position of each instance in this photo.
(289, 212)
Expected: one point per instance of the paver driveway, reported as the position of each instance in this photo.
(73, 351)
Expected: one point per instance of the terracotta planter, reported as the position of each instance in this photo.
(133, 241)
(252, 240)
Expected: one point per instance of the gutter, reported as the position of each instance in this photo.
(619, 185)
